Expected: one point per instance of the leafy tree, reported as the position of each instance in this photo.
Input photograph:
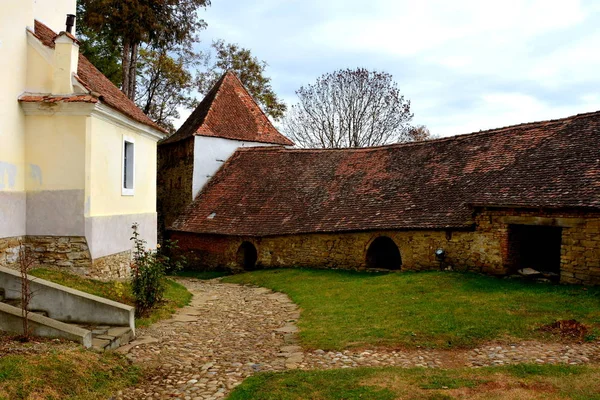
(103, 50)
(166, 83)
(249, 69)
(421, 133)
(159, 23)
(350, 108)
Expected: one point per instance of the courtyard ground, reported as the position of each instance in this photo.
(58, 369)
(231, 332)
(346, 310)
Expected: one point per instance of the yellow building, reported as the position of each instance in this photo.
(77, 157)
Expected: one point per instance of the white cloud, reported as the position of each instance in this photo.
(406, 28)
(466, 65)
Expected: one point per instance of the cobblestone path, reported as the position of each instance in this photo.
(230, 332)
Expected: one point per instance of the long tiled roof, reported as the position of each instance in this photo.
(228, 111)
(428, 185)
(93, 80)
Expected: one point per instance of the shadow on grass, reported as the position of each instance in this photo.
(202, 275)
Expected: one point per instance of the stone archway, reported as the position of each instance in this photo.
(247, 256)
(383, 254)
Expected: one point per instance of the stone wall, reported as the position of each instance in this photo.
(70, 253)
(465, 250)
(484, 248)
(115, 266)
(9, 251)
(580, 248)
(174, 181)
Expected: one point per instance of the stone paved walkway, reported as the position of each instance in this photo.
(230, 332)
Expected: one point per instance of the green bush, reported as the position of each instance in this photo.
(148, 272)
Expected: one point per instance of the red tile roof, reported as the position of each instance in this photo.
(427, 185)
(228, 111)
(92, 79)
(32, 98)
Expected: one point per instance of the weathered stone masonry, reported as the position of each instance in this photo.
(70, 253)
(482, 249)
(174, 184)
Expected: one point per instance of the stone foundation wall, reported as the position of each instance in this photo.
(70, 253)
(484, 248)
(9, 251)
(115, 266)
(465, 250)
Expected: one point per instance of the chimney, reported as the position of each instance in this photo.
(66, 59)
(70, 22)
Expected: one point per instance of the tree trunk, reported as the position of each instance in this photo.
(125, 63)
(133, 70)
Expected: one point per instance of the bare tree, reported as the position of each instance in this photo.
(26, 263)
(349, 108)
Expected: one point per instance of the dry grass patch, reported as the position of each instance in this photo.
(522, 382)
(53, 369)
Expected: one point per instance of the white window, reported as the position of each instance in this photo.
(128, 186)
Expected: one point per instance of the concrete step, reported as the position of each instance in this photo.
(11, 320)
(17, 303)
(109, 337)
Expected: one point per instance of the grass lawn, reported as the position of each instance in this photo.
(511, 382)
(64, 373)
(345, 309)
(176, 295)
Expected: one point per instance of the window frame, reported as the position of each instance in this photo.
(124, 190)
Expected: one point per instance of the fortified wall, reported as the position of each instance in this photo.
(489, 247)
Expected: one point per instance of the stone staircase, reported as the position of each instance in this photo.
(62, 312)
(104, 337)
(109, 337)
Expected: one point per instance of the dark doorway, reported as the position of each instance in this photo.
(383, 254)
(536, 247)
(247, 256)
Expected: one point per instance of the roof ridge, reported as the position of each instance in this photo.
(217, 88)
(460, 136)
(230, 72)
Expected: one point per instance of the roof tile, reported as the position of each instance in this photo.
(228, 111)
(95, 81)
(427, 185)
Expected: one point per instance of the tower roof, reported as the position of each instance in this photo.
(228, 111)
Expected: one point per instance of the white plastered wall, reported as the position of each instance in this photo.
(209, 155)
(53, 13)
(15, 17)
(109, 214)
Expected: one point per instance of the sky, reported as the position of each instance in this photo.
(464, 65)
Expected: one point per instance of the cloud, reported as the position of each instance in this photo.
(465, 65)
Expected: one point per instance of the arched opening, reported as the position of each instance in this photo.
(247, 256)
(383, 254)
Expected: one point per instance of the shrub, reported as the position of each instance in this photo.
(148, 271)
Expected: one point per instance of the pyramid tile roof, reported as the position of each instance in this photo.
(228, 111)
